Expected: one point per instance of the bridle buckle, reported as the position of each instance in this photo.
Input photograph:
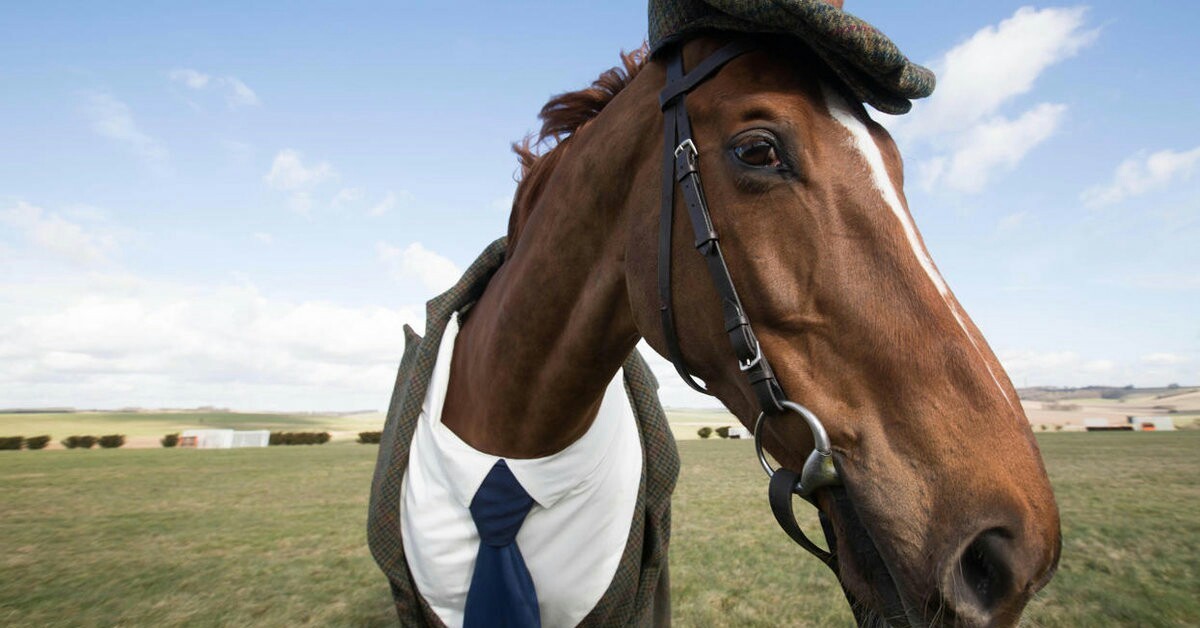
(752, 362)
(688, 145)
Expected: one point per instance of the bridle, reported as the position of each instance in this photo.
(680, 156)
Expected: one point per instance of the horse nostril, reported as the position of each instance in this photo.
(983, 575)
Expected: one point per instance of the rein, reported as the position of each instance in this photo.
(681, 157)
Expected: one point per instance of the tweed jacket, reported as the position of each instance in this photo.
(639, 592)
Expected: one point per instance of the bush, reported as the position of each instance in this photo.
(299, 438)
(11, 442)
(370, 438)
(112, 441)
(704, 432)
(170, 440)
(37, 442)
(81, 442)
(723, 431)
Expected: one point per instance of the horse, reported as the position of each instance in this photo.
(942, 512)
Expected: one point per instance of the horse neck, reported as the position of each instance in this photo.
(537, 352)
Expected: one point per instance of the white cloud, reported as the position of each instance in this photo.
(237, 93)
(288, 172)
(346, 196)
(62, 238)
(389, 202)
(264, 238)
(433, 271)
(1165, 359)
(1143, 173)
(962, 124)
(997, 64)
(1098, 367)
(300, 202)
(383, 206)
(114, 340)
(113, 119)
(191, 78)
(991, 147)
(1012, 222)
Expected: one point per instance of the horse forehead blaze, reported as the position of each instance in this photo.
(867, 146)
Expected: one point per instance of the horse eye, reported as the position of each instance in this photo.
(759, 152)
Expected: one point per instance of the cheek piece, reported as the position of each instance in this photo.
(681, 166)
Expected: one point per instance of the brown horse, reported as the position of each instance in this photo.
(946, 516)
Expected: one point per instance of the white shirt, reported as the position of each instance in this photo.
(574, 536)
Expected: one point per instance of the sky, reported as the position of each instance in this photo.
(240, 205)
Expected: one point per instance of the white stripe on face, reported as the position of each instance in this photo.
(862, 140)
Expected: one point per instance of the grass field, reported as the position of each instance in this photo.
(275, 537)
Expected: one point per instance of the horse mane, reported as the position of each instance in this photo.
(561, 117)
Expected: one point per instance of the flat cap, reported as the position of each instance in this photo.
(865, 59)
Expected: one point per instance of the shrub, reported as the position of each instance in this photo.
(370, 438)
(11, 442)
(112, 441)
(170, 440)
(82, 442)
(37, 442)
(299, 438)
(704, 432)
(723, 431)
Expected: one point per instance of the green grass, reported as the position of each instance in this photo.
(275, 537)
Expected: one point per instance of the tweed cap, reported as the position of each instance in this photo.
(865, 59)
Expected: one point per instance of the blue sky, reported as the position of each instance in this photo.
(240, 205)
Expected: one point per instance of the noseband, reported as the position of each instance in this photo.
(680, 156)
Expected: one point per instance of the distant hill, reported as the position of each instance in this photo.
(1055, 393)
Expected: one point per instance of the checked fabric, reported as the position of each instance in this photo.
(502, 593)
(864, 58)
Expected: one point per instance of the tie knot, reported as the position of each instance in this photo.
(499, 506)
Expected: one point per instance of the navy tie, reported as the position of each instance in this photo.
(501, 592)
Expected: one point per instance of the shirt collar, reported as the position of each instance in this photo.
(547, 479)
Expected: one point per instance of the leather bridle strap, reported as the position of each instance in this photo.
(779, 494)
(680, 157)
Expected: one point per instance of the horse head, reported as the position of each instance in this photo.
(944, 514)
(945, 511)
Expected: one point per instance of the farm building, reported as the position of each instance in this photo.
(739, 431)
(1152, 423)
(1104, 425)
(224, 439)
